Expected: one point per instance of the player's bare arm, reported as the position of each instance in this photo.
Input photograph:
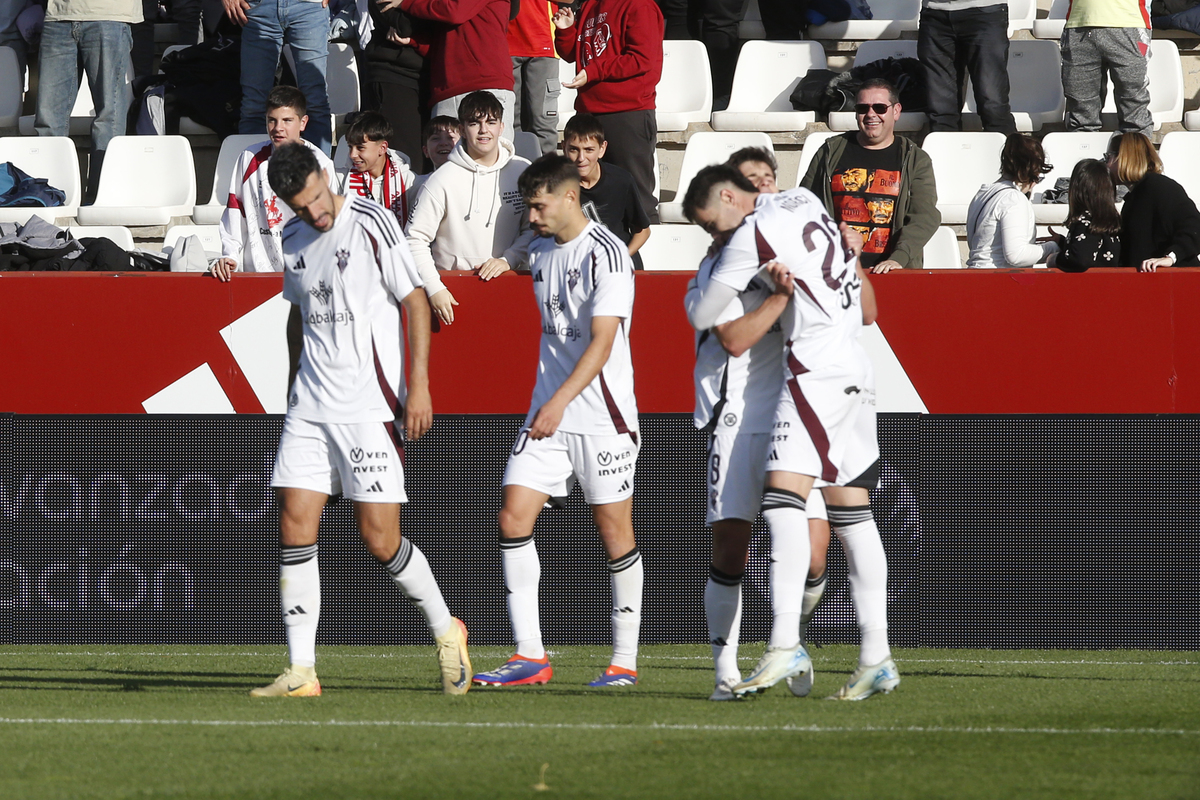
(739, 335)
(418, 411)
(638, 239)
(295, 340)
(548, 417)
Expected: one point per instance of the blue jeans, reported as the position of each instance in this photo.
(103, 48)
(304, 26)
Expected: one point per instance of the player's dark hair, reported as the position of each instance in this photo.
(287, 97)
(369, 126)
(289, 167)
(1092, 190)
(758, 155)
(879, 83)
(548, 174)
(479, 105)
(441, 123)
(1022, 160)
(700, 191)
(584, 127)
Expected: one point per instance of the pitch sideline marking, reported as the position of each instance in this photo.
(602, 726)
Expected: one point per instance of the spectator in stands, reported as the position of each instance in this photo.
(607, 194)
(254, 216)
(878, 183)
(758, 164)
(376, 171)
(1160, 226)
(957, 38)
(617, 49)
(397, 77)
(267, 25)
(439, 137)
(97, 34)
(1106, 39)
(535, 73)
(469, 214)
(715, 23)
(1000, 224)
(10, 33)
(1093, 223)
(468, 52)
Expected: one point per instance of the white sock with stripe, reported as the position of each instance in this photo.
(723, 610)
(867, 563)
(300, 597)
(410, 570)
(791, 549)
(627, 579)
(522, 574)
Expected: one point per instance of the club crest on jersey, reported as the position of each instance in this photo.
(322, 291)
(573, 275)
(343, 258)
(553, 305)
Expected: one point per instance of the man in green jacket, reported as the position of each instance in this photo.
(878, 183)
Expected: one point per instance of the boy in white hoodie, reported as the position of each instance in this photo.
(469, 215)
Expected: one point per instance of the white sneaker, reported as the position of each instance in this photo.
(801, 685)
(724, 690)
(776, 664)
(881, 678)
(294, 682)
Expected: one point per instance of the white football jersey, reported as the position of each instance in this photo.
(822, 324)
(737, 395)
(348, 283)
(589, 276)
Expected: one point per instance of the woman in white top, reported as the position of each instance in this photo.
(1000, 227)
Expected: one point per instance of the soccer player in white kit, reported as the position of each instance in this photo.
(824, 424)
(582, 422)
(348, 270)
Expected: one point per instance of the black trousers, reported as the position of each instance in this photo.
(632, 137)
(405, 110)
(955, 44)
(715, 23)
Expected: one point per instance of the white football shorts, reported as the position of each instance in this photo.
(362, 461)
(825, 426)
(737, 466)
(603, 465)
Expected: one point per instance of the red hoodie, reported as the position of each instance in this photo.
(469, 51)
(619, 43)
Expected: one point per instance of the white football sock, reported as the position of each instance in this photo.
(723, 610)
(410, 570)
(627, 578)
(814, 589)
(300, 598)
(790, 553)
(867, 563)
(522, 573)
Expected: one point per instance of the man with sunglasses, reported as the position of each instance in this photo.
(880, 184)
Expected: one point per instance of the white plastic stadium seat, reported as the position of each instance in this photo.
(1180, 153)
(892, 18)
(812, 143)
(703, 149)
(527, 145)
(962, 162)
(117, 234)
(146, 180)
(1166, 87)
(751, 26)
(1035, 80)
(678, 247)
(877, 51)
(1064, 149)
(1052, 26)
(1191, 120)
(942, 251)
(1021, 14)
(232, 147)
(11, 88)
(341, 155)
(51, 157)
(766, 74)
(566, 97)
(341, 80)
(684, 92)
(210, 237)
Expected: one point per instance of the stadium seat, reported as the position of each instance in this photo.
(1191, 120)
(527, 145)
(812, 143)
(1063, 151)
(232, 147)
(1166, 87)
(83, 113)
(684, 92)
(51, 157)
(892, 18)
(962, 162)
(118, 234)
(1021, 15)
(566, 97)
(766, 74)
(877, 51)
(1035, 78)
(942, 251)
(145, 180)
(703, 149)
(678, 247)
(210, 237)
(341, 80)
(341, 155)
(11, 88)
(1180, 153)
(1052, 26)
(751, 26)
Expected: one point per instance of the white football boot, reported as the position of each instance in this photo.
(881, 678)
(776, 664)
(724, 689)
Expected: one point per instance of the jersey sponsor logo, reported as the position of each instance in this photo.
(565, 331)
(322, 292)
(359, 455)
(604, 458)
(330, 318)
(614, 463)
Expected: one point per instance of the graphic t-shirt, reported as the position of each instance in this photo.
(613, 202)
(865, 186)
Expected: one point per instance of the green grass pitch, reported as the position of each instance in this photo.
(153, 721)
